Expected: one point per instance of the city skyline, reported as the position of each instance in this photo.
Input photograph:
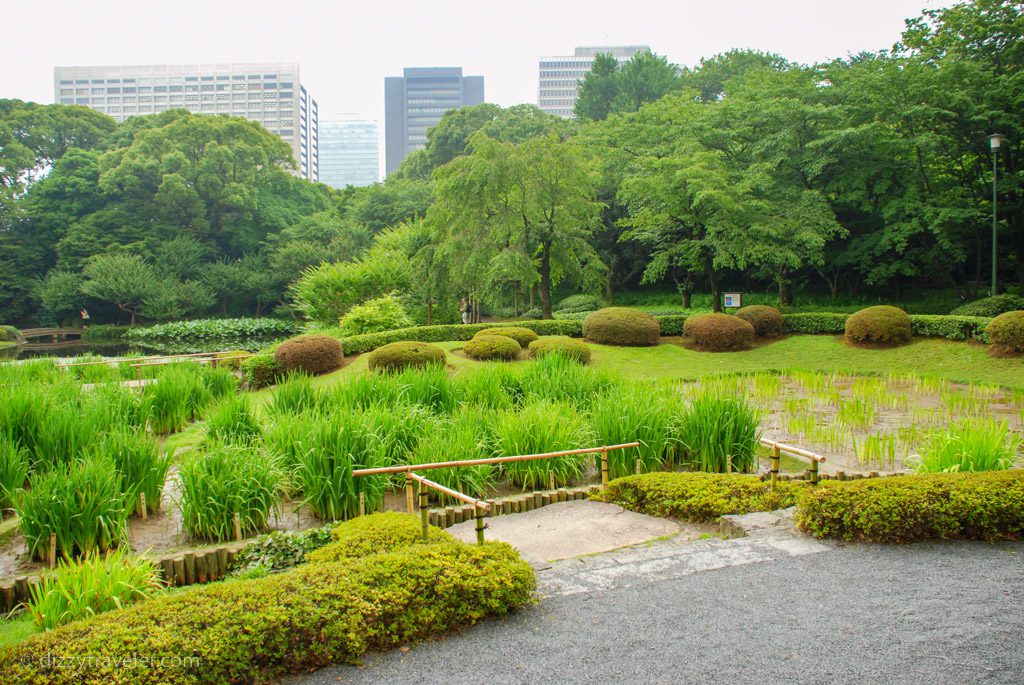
(314, 36)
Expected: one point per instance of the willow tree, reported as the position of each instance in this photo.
(535, 198)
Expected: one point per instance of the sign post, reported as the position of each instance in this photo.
(732, 300)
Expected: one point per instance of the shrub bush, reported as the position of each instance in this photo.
(312, 354)
(567, 347)
(523, 336)
(719, 332)
(990, 306)
(699, 497)
(987, 506)
(406, 354)
(380, 533)
(767, 321)
(949, 327)
(9, 333)
(309, 617)
(814, 322)
(879, 325)
(1006, 332)
(91, 586)
(223, 481)
(373, 316)
(621, 326)
(261, 370)
(487, 347)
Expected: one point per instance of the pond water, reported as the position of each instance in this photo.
(121, 349)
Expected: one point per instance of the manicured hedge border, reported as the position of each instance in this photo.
(970, 506)
(925, 325)
(699, 497)
(258, 630)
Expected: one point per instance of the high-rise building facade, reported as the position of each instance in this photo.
(348, 152)
(560, 77)
(270, 93)
(415, 101)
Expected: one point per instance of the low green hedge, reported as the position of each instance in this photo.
(569, 348)
(986, 506)
(454, 332)
(259, 630)
(699, 497)
(925, 325)
(990, 307)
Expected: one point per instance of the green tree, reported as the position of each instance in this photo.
(536, 198)
(122, 280)
(611, 87)
(59, 295)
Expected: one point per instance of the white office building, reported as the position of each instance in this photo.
(560, 77)
(349, 152)
(270, 93)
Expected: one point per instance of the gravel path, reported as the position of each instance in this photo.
(926, 613)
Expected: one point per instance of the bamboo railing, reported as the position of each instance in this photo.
(779, 447)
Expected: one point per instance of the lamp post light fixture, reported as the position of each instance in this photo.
(995, 141)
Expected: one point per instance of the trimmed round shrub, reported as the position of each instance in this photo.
(567, 347)
(767, 321)
(405, 354)
(990, 306)
(486, 347)
(882, 324)
(719, 332)
(1006, 332)
(261, 370)
(312, 354)
(380, 533)
(9, 333)
(523, 336)
(621, 326)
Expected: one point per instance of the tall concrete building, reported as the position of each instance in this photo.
(560, 77)
(349, 152)
(415, 101)
(270, 93)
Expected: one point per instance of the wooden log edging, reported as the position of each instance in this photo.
(445, 517)
(175, 570)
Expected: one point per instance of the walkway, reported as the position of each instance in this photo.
(769, 608)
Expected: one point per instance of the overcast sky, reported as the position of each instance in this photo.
(346, 48)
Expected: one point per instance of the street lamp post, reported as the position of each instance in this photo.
(995, 141)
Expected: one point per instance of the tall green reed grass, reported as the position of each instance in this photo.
(636, 413)
(538, 428)
(970, 445)
(90, 586)
(139, 462)
(232, 422)
(719, 433)
(224, 480)
(460, 437)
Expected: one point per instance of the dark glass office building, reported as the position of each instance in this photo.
(415, 101)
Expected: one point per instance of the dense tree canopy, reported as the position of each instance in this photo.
(866, 174)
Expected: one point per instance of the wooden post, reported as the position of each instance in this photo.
(190, 568)
(479, 525)
(728, 463)
(167, 568)
(639, 465)
(424, 513)
(551, 480)
(142, 505)
(201, 575)
(21, 592)
(604, 466)
(238, 527)
(52, 557)
(409, 498)
(362, 504)
(179, 571)
(222, 561)
(814, 472)
(776, 458)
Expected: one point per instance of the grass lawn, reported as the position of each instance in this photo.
(956, 361)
